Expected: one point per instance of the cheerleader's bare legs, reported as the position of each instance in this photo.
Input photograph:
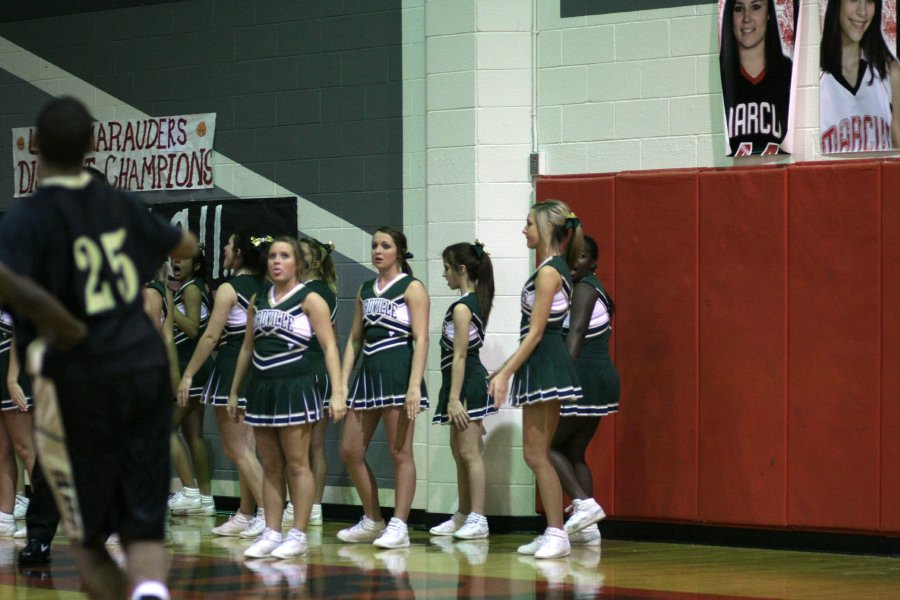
(399, 431)
(317, 458)
(359, 427)
(190, 419)
(467, 446)
(239, 445)
(295, 442)
(285, 453)
(539, 423)
(573, 435)
(7, 483)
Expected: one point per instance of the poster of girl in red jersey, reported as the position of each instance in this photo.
(859, 82)
(756, 48)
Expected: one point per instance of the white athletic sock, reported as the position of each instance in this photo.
(7, 518)
(191, 492)
(207, 499)
(153, 589)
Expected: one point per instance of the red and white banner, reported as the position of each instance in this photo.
(141, 155)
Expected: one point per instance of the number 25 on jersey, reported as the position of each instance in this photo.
(90, 258)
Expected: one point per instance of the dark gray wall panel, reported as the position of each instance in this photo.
(580, 8)
(309, 82)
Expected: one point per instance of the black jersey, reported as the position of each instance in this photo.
(92, 247)
(757, 121)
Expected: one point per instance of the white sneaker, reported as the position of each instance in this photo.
(21, 506)
(8, 528)
(364, 531)
(555, 544)
(589, 536)
(532, 546)
(264, 544)
(174, 498)
(188, 502)
(254, 528)
(207, 506)
(114, 540)
(450, 525)
(21, 533)
(315, 515)
(475, 528)
(287, 517)
(294, 544)
(395, 536)
(233, 526)
(584, 513)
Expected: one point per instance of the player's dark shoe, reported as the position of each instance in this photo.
(35, 553)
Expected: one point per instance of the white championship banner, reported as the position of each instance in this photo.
(141, 155)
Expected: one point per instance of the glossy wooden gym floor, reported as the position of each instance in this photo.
(204, 566)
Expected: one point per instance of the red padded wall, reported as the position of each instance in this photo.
(758, 338)
(656, 287)
(890, 348)
(834, 346)
(743, 331)
(593, 200)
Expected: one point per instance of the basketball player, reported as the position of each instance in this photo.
(92, 247)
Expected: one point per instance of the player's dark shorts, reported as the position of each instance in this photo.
(117, 431)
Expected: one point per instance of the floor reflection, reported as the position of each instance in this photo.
(205, 566)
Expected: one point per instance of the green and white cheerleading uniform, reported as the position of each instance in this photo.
(218, 384)
(6, 336)
(160, 288)
(473, 392)
(282, 389)
(383, 376)
(185, 345)
(596, 371)
(549, 373)
(314, 353)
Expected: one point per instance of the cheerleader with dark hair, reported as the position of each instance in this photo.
(756, 78)
(463, 401)
(191, 315)
(245, 257)
(860, 79)
(390, 330)
(587, 331)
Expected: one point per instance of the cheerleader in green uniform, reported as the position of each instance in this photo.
(18, 426)
(283, 398)
(245, 256)
(588, 329)
(544, 375)
(159, 305)
(463, 399)
(390, 330)
(319, 275)
(191, 315)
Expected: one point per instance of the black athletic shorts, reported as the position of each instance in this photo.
(117, 434)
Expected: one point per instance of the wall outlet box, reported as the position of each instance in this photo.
(536, 163)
